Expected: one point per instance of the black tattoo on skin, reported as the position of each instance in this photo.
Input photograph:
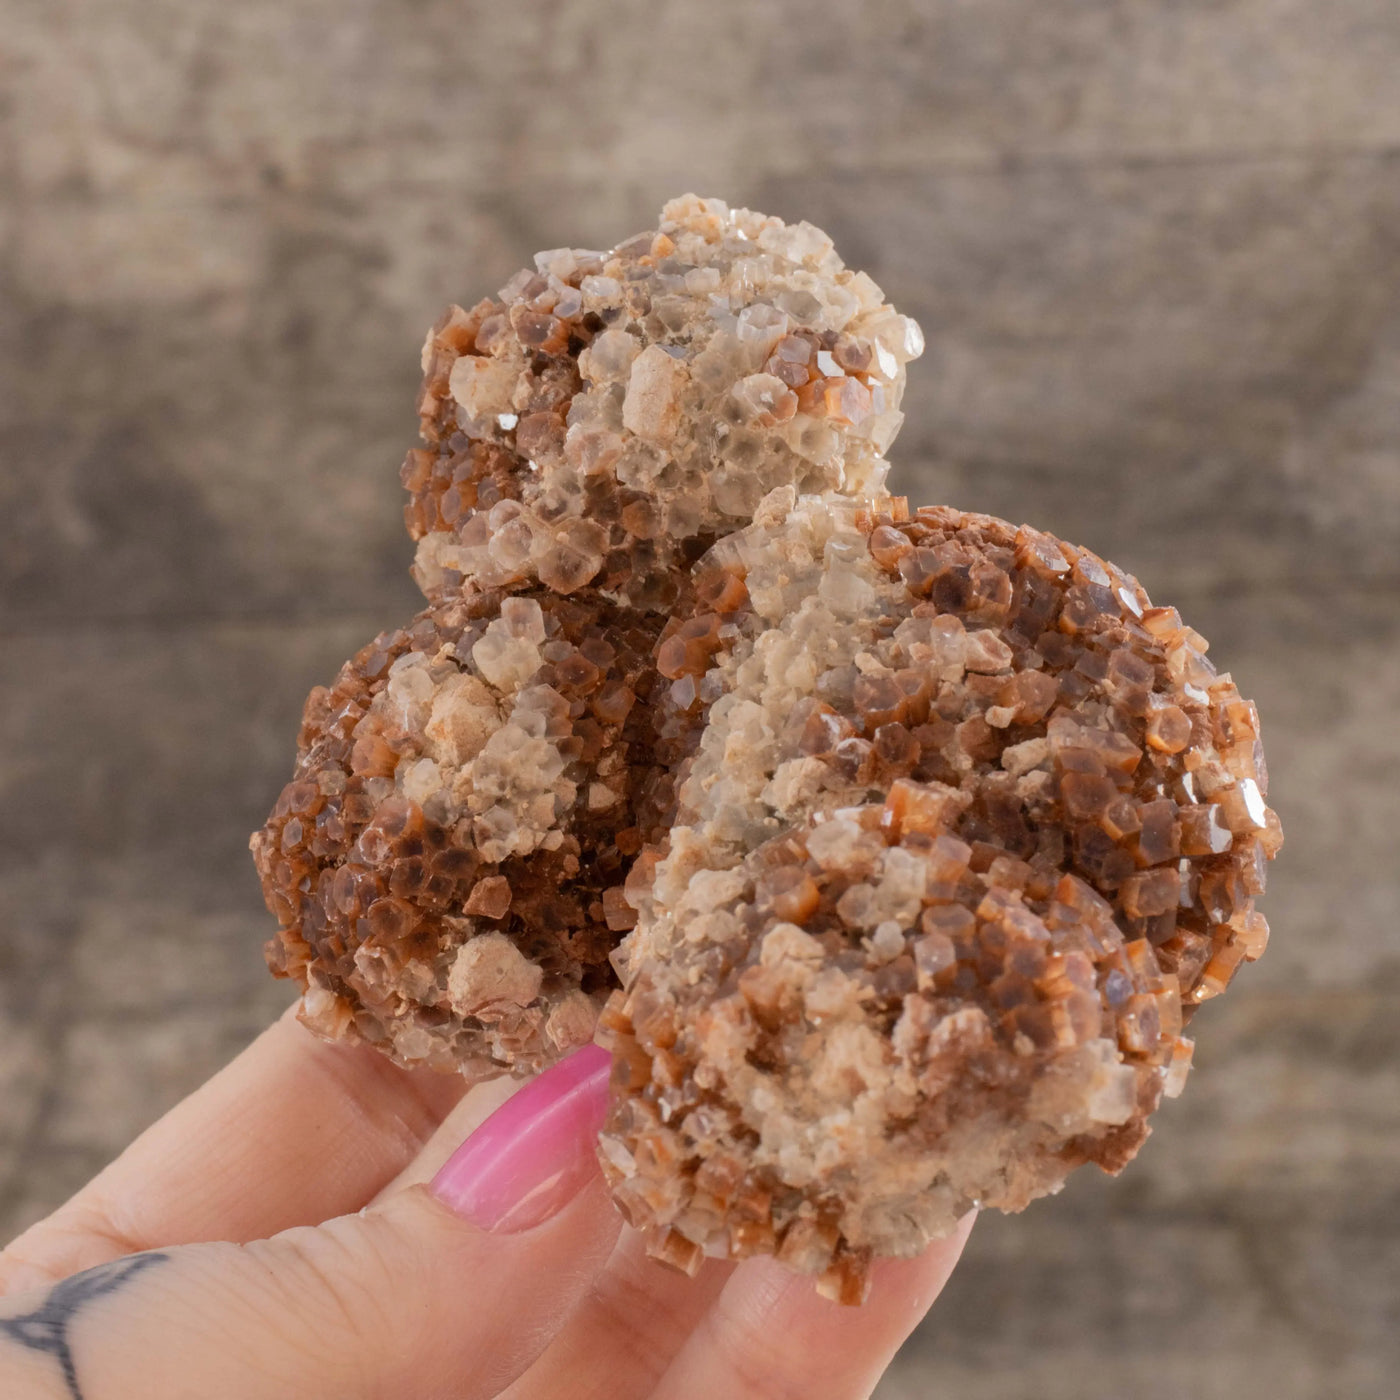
(46, 1328)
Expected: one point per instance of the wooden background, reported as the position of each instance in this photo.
(1156, 251)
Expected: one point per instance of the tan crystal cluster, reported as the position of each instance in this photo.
(894, 850)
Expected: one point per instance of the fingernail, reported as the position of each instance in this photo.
(535, 1152)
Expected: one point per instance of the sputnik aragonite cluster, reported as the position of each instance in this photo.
(889, 853)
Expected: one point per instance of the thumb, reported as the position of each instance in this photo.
(452, 1289)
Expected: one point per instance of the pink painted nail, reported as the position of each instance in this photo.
(535, 1152)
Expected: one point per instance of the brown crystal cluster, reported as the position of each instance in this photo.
(447, 863)
(896, 851)
(970, 830)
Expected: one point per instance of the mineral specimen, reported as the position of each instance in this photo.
(895, 850)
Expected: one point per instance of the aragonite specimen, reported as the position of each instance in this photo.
(894, 850)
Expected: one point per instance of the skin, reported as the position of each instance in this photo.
(273, 1238)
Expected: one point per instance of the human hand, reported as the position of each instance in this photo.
(301, 1226)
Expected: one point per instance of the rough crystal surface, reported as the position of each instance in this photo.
(895, 850)
(609, 412)
(936, 902)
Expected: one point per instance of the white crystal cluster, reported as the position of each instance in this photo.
(487, 740)
(814, 592)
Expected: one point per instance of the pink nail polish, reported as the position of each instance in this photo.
(535, 1152)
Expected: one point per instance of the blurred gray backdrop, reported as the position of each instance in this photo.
(1156, 251)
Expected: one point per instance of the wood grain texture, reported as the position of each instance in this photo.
(1156, 251)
